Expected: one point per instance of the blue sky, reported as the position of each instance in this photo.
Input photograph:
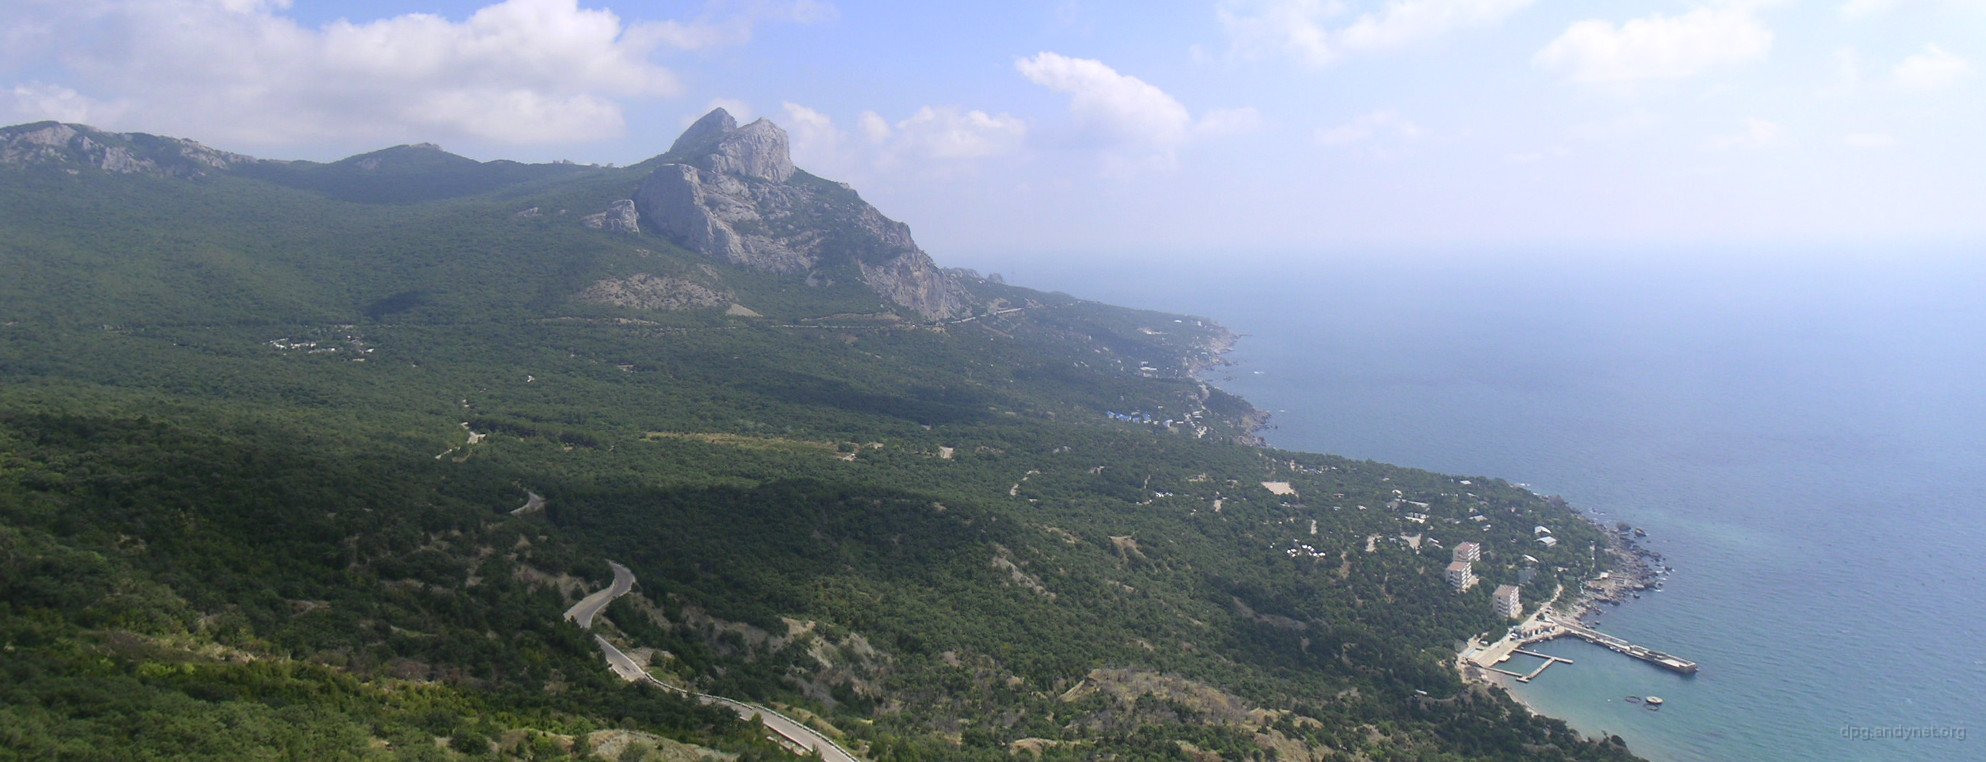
(1207, 127)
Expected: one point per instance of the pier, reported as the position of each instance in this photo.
(1539, 631)
(1619, 646)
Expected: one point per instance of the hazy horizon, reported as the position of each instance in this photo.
(1253, 125)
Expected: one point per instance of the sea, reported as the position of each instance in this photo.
(1801, 433)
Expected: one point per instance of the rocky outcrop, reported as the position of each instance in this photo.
(914, 282)
(620, 217)
(732, 193)
(76, 146)
(704, 134)
(643, 291)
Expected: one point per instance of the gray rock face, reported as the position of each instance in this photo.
(52, 143)
(705, 132)
(734, 194)
(620, 217)
(758, 151)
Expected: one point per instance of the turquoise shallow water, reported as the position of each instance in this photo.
(1804, 437)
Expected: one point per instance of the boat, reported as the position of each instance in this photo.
(1654, 700)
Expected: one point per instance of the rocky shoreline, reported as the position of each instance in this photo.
(1636, 569)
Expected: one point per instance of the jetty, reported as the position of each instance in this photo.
(1539, 629)
(1525, 678)
(1619, 646)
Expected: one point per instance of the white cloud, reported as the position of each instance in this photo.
(1933, 69)
(941, 138)
(814, 138)
(946, 133)
(1134, 121)
(1368, 127)
(1228, 121)
(875, 127)
(1296, 28)
(240, 71)
(1315, 32)
(37, 102)
(1117, 108)
(1657, 47)
(1756, 133)
(1403, 22)
(1869, 140)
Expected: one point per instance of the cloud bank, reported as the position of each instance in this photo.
(1657, 47)
(516, 72)
(1128, 117)
(1316, 32)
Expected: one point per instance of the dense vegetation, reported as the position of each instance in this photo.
(261, 434)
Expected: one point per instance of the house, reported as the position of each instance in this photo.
(1507, 603)
(1468, 552)
(1461, 575)
(1548, 540)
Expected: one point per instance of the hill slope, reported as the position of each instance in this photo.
(267, 428)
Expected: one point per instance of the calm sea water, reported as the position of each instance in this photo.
(1803, 435)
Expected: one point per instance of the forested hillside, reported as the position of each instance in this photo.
(266, 429)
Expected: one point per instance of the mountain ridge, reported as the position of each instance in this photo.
(723, 191)
(265, 434)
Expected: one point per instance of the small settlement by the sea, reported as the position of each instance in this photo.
(1637, 569)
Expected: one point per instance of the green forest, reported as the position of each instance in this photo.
(264, 435)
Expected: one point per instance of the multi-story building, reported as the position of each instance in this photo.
(1461, 575)
(1507, 603)
(1468, 552)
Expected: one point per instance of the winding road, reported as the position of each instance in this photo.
(589, 606)
(787, 730)
(535, 503)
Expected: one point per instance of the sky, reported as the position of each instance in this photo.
(1190, 127)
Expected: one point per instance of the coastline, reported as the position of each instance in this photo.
(1212, 353)
(1764, 510)
(1631, 568)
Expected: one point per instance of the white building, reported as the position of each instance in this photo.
(1461, 575)
(1507, 603)
(1468, 552)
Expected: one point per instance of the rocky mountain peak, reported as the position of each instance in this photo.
(732, 193)
(716, 144)
(705, 132)
(76, 145)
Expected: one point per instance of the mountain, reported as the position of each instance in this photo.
(77, 146)
(726, 192)
(734, 193)
(307, 460)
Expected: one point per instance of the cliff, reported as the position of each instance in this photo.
(75, 146)
(732, 193)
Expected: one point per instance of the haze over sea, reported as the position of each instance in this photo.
(1802, 434)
